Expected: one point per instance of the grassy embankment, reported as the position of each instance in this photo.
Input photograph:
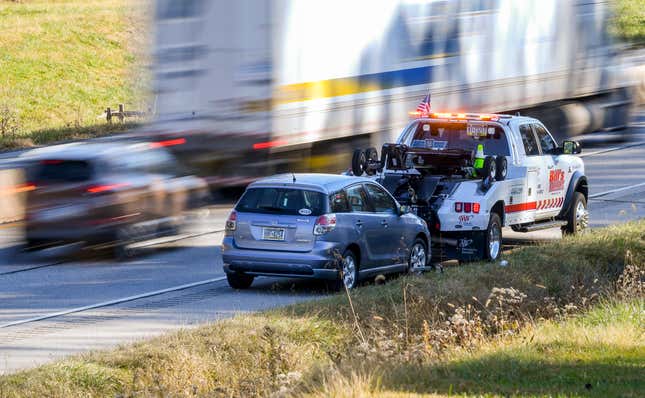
(628, 23)
(64, 62)
(562, 319)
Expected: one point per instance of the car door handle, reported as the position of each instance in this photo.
(384, 223)
(359, 223)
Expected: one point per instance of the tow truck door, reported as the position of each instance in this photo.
(523, 209)
(552, 180)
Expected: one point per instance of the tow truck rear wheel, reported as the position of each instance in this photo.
(578, 216)
(493, 242)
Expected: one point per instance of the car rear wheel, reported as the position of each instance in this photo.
(238, 280)
(493, 241)
(349, 273)
(418, 257)
(359, 162)
(578, 216)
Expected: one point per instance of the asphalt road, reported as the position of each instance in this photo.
(51, 309)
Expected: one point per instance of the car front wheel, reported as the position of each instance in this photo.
(418, 257)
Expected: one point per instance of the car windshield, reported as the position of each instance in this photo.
(459, 135)
(282, 201)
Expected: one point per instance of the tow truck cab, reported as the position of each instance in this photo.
(433, 174)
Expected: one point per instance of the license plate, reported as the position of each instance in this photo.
(273, 233)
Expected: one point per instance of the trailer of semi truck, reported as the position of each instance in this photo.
(255, 87)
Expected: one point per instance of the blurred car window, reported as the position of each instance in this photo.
(357, 198)
(528, 139)
(282, 201)
(149, 161)
(52, 171)
(546, 142)
(381, 201)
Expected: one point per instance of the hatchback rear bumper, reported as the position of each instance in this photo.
(319, 263)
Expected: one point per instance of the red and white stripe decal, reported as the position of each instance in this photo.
(520, 207)
(548, 204)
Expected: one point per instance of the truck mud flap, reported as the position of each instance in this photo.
(462, 246)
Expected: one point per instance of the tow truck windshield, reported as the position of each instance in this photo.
(463, 136)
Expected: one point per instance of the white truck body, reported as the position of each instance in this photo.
(292, 75)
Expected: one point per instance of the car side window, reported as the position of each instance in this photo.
(356, 199)
(528, 139)
(381, 201)
(546, 142)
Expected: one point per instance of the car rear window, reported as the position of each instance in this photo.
(282, 201)
(63, 171)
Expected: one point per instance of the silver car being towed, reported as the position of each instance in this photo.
(334, 227)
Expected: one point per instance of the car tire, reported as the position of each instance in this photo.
(493, 242)
(490, 168)
(578, 216)
(418, 258)
(371, 156)
(349, 270)
(239, 281)
(501, 166)
(359, 161)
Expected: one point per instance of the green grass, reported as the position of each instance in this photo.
(571, 326)
(629, 21)
(64, 62)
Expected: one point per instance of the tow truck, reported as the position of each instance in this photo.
(470, 175)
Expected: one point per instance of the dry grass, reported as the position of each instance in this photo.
(475, 329)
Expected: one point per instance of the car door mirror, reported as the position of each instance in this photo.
(403, 209)
(571, 147)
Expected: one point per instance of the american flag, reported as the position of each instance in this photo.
(424, 106)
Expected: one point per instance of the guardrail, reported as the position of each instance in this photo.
(121, 114)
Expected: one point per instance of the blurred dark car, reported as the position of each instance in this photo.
(105, 195)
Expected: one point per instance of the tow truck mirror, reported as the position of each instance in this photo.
(571, 147)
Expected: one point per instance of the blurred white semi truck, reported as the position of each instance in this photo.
(253, 87)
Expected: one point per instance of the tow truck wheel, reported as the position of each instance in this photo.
(240, 281)
(578, 216)
(359, 161)
(493, 244)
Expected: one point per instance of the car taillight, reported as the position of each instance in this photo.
(467, 207)
(105, 188)
(324, 224)
(231, 221)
